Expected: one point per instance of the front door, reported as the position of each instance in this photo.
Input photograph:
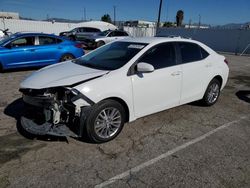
(161, 88)
(20, 52)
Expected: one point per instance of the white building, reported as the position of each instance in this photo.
(9, 15)
(197, 26)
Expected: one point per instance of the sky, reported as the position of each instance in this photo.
(214, 12)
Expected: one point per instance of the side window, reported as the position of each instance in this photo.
(160, 56)
(204, 53)
(190, 52)
(24, 41)
(44, 40)
(92, 30)
(81, 30)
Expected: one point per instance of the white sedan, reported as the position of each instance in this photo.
(103, 38)
(118, 83)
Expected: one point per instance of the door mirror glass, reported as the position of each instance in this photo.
(143, 67)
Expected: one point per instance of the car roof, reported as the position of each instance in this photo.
(33, 34)
(149, 40)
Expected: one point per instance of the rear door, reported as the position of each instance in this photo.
(48, 49)
(20, 52)
(84, 32)
(196, 68)
(161, 88)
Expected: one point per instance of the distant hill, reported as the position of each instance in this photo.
(233, 25)
(23, 18)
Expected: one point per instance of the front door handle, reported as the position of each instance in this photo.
(176, 73)
(32, 50)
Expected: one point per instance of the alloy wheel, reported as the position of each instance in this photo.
(107, 122)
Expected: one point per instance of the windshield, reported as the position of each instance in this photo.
(112, 56)
(4, 39)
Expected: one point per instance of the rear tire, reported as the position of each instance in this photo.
(100, 43)
(212, 93)
(67, 57)
(105, 121)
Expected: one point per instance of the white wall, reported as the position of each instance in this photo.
(49, 27)
(224, 40)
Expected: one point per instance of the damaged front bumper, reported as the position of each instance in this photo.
(46, 128)
(55, 112)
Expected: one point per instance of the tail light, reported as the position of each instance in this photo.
(225, 60)
(78, 45)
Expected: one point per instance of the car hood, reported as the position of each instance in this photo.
(63, 74)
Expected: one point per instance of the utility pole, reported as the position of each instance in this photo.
(190, 21)
(159, 15)
(199, 21)
(114, 14)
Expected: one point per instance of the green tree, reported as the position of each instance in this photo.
(168, 24)
(179, 17)
(106, 18)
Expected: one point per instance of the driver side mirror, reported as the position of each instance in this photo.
(143, 67)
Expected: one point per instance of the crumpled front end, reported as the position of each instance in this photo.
(53, 111)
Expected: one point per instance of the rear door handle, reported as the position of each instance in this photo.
(32, 50)
(208, 65)
(176, 73)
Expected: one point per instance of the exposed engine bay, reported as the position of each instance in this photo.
(53, 111)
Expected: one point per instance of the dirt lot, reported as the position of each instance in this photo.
(187, 146)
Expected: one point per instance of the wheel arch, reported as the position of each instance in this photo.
(219, 78)
(124, 104)
(66, 53)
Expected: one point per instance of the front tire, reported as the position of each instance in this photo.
(105, 121)
(1, 68)
(212, 93)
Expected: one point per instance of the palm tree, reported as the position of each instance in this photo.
(106, 18)
(179, 17)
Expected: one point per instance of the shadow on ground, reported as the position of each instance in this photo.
(243, 95)
(21, 69)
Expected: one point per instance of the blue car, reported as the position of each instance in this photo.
(36, 49)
